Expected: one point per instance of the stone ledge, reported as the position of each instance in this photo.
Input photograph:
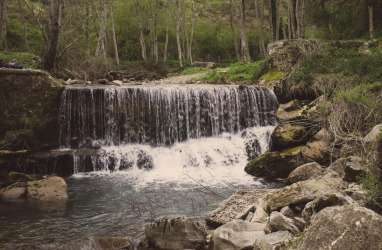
(21, 72)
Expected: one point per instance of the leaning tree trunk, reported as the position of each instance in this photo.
(243, 37)
(3, 24)
(102, 33)
(167, 30)
(53, 36)
(177, 24)
(114, 36)
(142, 38)
(371, 22)
(231, 21)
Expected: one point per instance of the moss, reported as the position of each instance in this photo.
(272, 75)
(291, 151)
(27, 59)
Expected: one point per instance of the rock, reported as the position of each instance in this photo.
(304, 191)
(300, 223)
(249, 217)
(288, 136)
(289, 111)
(236, 235)
(272, 241)
(304, 172)
(252, 147)
(13, 64)
(372, 136)
(356, 192)
(117, 83)
(319, 148)
(235, 207)
(287, 211)
(275, 164)
(102, 81)
(328, 200)
(49, 189)
(344, 227)
(278, 222)
(111, 243)
(349, 169)
(13, 192)
(145, 161)
(75, 81)
(178, 233)
(260, 216)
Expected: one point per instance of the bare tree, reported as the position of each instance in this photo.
(270, 16)
(142, 39)
(114, 36)
(167, 30)
(3, 24)
(243, 37)
(177, 32)
(54, 35)
(292, 19)
(231, 21)
(185, 31)
(87, 13)
(260, 15)
(155, 24)
(371, 22)
(101, 45)
(278, 11)
(192, 30)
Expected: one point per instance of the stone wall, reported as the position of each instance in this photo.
(29, 108)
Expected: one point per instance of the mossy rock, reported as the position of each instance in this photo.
(288, 135)
(275, 164)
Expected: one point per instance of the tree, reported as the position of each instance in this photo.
(177, 32)
(53, 35)
(114, 36)
(155, 24)
(231, 21)
(142, 38)
(3, 24)
(243, 37)
(371, 22)
(167, 30)
(101, 45)
(260, 15)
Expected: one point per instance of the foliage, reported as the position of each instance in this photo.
(238, 71)
(272, 75)
(27, 59)
(193, 70)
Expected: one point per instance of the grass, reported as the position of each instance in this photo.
(272, 75)
(27, 59)
(250, 72)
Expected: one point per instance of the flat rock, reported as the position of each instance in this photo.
(272, 241)
(279, 222)
(344, 227)
(236, 235)
(303, 192)
(13, 192)
(304, 172)
(235, 207)
(49, 189)
(372, 136)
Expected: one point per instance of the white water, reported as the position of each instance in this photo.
(217, 161)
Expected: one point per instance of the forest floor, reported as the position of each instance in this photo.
(182, 79)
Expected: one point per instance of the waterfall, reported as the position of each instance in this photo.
(146, 127)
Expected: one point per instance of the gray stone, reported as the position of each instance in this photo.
(300, 223)
(304, 172)
(278, 222)
(236, 207)
(303, 192)
(117, 83)
(344, 227)
(287, 211)
(49, 189)
(272, 241)
(179, 233)
(372, 136)
(260, 215)
(350, 168)
(13, 192)
(288, 136)
(249, 216)
(236, 235)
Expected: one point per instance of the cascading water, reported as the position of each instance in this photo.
(145, 152)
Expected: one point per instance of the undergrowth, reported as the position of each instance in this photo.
(29, 61)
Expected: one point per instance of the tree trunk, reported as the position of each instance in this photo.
(54, 35)
(243, 37)
(142, 39)
(231, 21)
(87, 28)
(187, 49)
(101, 46)
(371, 22)
(278, 11)
(298, 23)
(270, 17)
(3, 24)
(24, 25)
(155, 18)
(192, 30)
(114, 36)
(292, 19)
(260, 15)
(289, 22)
(302, 32)
(167, 31)
(313, 34)
(177, 24)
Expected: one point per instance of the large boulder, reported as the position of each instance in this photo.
(290, 111)
(344, 227)
(236, 235)
(288, 135)
(13, 192)
(350, 169)
(304, 172)
(236, 207)
(372, 136)
(304, 191)
(279, 222)
(49, 189)
(272, 241)
(275, 164)
(319, 148)
(178, 233)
